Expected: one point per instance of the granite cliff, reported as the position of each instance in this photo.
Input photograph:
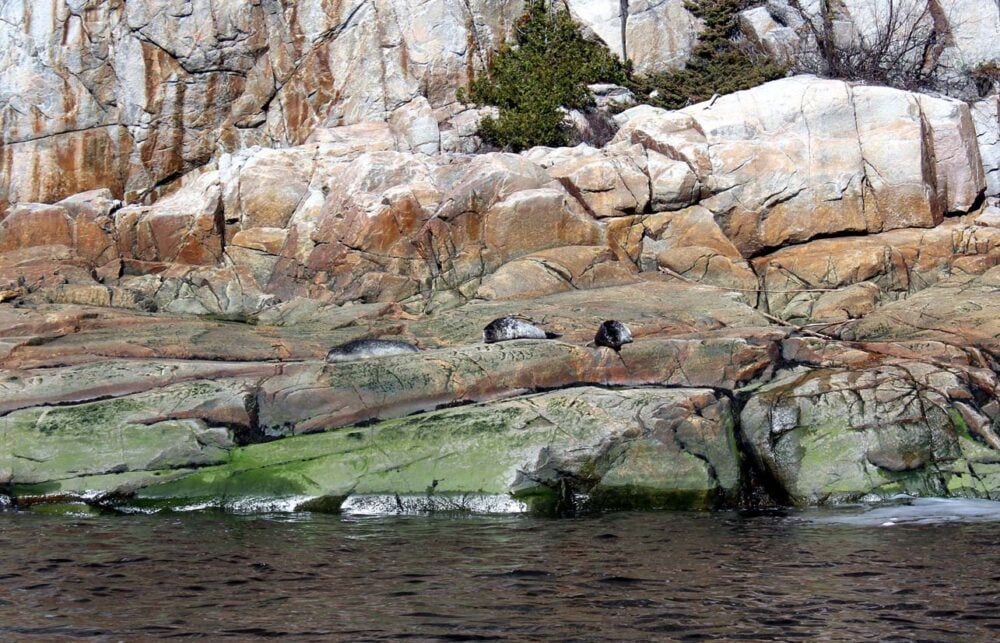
(809, 267)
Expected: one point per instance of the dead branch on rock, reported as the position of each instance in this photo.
(900, 46)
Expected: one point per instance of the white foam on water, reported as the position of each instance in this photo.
(393, 505)
(915, 511)
(264, 505)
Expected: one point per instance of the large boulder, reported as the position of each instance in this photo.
(557, 270)
(689, 243)
(609, 182)
(646, 448)
(836, 435)
(186, 228)
(803, 157)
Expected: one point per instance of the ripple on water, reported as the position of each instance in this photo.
(621, 576)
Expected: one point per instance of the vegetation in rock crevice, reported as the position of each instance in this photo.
(719, 64)
(546, 70)
(901, 47)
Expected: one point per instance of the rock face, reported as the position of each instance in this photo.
(131, 95)
(803, 157)
(649, 447)
(835, 435)
(808, 268)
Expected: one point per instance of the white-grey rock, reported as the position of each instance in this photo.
(781, 42)
(659, 34)
(416, 127)
(986, 116)
(803, 157)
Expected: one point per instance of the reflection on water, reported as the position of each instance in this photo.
(621, 576)
(918, 511)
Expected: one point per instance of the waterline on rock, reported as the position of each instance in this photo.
(390, 504)
(913, 511)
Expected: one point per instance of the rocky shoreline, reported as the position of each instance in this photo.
(810, 270)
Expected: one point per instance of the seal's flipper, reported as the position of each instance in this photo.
(549, 335)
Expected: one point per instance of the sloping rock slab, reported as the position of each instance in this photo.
(886, 266)
(627, 448)
(963, 311)
(319, 397)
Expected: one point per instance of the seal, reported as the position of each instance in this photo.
(368, 348)
(508, 328)
(613, 334)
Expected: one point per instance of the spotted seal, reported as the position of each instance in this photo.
(507, 328)
(368, 348)
(613, 334)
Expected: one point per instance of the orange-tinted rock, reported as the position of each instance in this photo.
(899, 263)
(32, 225)
(184, 228)
(556, 270)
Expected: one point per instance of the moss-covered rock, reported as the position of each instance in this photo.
(636, 448)
(836, 435)
(60, 447)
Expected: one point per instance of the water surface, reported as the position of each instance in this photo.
(927, 572)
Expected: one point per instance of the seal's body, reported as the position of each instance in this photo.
(368, 348)
(508, 328)
(613, 334)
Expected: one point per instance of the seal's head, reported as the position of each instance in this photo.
(613, 334)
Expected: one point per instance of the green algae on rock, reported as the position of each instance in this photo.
(835, 435)
(539, 450)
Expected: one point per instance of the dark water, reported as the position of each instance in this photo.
(615, 577)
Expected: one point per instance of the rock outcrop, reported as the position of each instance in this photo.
(799, 158)
(629, 448)
(131, 95)
(809, 270)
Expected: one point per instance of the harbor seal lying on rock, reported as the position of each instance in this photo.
(613, 334)
(368, 348)
(507, 328)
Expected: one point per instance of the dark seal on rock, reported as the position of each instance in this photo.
(613, 334)
(507, 328)
(368, 348)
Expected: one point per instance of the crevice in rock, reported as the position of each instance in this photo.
(842, 234)
(758, 488)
